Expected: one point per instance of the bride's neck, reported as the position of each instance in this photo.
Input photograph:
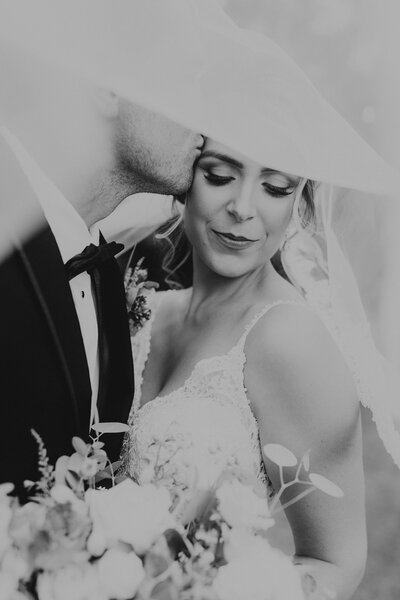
(212, 290)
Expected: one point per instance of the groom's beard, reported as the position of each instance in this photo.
(154, 177)
(108, 192)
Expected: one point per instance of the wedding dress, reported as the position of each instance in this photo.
(194, 433)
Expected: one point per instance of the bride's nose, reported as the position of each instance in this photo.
(242, 203)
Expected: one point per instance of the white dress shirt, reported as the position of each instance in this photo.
(72, 236)
(136, 217)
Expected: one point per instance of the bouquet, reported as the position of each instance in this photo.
(78, 540)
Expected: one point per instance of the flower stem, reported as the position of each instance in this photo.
(293, 500)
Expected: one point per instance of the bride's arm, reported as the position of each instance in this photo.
(304, 397)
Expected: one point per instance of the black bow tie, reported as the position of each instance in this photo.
(91, 258)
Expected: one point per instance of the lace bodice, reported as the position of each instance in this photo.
(197, 431)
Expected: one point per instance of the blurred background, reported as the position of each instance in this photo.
(351, 51)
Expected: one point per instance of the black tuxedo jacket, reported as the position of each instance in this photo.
(44, 377)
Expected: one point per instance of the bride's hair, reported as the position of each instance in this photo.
(176, 249)
(306, 206)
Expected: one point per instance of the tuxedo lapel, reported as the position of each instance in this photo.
(54, 294)
(116, 366)
(44, 268)
(114, 323)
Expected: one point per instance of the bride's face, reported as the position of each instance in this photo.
(237, 211)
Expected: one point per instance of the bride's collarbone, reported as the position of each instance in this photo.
(175, 352)
(179, 353)
(179, 343)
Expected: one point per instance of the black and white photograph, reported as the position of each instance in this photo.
(199, 300)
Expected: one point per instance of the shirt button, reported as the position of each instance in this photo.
(82, 294)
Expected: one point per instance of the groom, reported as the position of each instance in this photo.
(70, 154)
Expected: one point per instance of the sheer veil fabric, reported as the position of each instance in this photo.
(189, 61)
(317, 265)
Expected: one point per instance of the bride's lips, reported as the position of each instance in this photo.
(235, 242)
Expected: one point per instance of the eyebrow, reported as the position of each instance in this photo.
(236, 163)
(223, 157)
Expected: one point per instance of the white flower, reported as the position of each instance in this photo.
(64, 495)
(241, 543)
(17, 595)
(79, 582)
(15, 565)
(5, 519)
(240, 506)
(26, 521)
(128, 513)
(5, 489)
(13, 568)
(89, 467)
(8, 585)
(5, 516)
(269, 575)
(120, 573)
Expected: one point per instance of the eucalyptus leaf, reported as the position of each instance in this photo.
(116, 465)
(97, 445)
(80, 446)
(326, 485)
(110, 427)
(113, 468)
(280, 455)
(306, 461)
(72, 479)
(155, 564)
(176, 543)
(101, 475)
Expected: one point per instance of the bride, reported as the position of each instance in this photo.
(240, 359)
(246, 357)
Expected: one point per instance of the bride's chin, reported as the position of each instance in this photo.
(230, 271)
(229, 266)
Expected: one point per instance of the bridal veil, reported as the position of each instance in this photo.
(189, 61)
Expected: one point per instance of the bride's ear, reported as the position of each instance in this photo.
(106, 101)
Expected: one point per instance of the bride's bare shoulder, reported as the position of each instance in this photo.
(289, 328)
(292, 354)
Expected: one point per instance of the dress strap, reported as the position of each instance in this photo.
(242, 340)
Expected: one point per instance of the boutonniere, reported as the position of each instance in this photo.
(136, 293)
